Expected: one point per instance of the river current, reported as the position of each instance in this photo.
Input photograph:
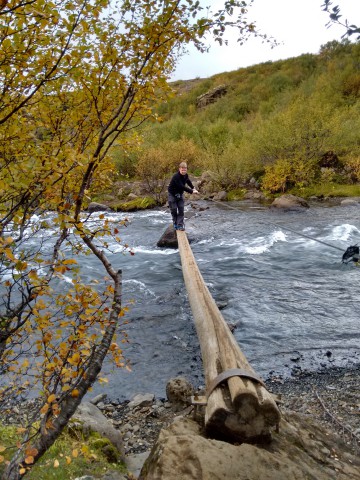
(292, 302)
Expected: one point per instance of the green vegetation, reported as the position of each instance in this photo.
(71, 456)
(237, 194)
(328, 190)
(292, 124)
(136, 204)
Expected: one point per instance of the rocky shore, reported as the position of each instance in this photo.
(329, 398)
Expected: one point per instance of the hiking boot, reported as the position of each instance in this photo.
(180, 227)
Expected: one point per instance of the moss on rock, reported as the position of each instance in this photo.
(141, 203)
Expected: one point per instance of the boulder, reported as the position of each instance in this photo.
(90, 418)
(140, 400)
(301, 450)
(179, 392)
(350, 201)
(289, 202)
(132, 196)
(99, 398)
(254, 195)
(220, 196)
(98, 207)
(168, 239)
(253, 183)
(211, 96)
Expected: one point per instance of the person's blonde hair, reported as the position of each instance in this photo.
(183, 164)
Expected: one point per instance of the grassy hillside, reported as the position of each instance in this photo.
(293, 125)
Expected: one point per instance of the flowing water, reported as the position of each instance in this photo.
(293, 304)
(292, 301)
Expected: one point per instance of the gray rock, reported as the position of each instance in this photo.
(135, 462)
(349, 201)
(169, 238)
(220, 196)
(289, 202)
(91, 418)
(109, 408)
(211, 96)
(254, 195)
(179, 391)
(98, 207)
(98, 398)
(132, 196)
(142, 400)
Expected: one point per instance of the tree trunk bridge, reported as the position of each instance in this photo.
(238, 406)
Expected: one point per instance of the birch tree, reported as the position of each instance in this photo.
(77, 77)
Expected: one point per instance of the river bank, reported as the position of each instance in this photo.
(322, 407)
(326, 402)
(330, 397)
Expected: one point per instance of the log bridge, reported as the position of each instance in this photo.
(238, 407)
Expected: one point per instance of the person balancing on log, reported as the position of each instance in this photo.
(176, 188)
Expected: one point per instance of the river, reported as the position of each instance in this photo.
(292, 301)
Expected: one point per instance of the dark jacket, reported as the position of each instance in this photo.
(178, 184)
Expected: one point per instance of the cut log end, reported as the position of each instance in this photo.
(229, 427)
(251, 422)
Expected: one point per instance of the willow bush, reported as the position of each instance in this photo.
(277, 176)
(174, 130)
(156, 165)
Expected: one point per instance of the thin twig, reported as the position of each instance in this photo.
(335, 419)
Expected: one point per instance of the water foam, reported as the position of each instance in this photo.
(263, 244)
(343, 232)
(140, 286)
(147, 251)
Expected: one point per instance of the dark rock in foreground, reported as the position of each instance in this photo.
(168, 239)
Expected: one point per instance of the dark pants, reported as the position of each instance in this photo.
(176, 206)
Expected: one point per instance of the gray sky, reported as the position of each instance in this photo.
(299, 24)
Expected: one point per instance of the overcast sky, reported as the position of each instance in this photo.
(300, 25)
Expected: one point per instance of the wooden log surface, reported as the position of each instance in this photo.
(239, 408)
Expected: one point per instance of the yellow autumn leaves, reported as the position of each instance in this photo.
(76, 81)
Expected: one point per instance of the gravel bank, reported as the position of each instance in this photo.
(330, 396)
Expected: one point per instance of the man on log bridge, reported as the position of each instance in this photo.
(177, 187)
(238, 406)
